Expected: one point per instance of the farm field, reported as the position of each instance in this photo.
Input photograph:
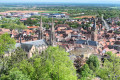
(87, 16)
(22, 11)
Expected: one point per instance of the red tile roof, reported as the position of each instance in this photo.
(32, 27)
(23, 19)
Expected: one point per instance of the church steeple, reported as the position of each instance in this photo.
(53, 29)
(94, 32)
(94, 26)
(41, 29)
(52, 35)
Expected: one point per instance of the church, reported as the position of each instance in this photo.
(41, 44)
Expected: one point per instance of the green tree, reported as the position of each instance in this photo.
(6, 43)
(16, 57)
(110, 69)
(93, 63)
(31, 22)
(15, 74)
(12, 24)
(86, 73)
(26, 68)
(109, 53)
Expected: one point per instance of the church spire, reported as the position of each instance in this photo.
(53, 30)
(41, 29)
(94, 26)
(94, 32)
(52, 37)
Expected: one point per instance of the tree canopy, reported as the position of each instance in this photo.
(53, 64)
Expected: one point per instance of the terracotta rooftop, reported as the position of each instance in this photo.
(23, 19)
(62, 25)
(32, 27)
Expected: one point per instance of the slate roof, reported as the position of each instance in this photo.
(28, 45)
(91, 43)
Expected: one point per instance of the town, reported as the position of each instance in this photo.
(35, 31)
(98, 37)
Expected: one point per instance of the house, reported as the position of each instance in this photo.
(63, 31)
(63, 28)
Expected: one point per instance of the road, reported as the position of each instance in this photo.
(106, 25)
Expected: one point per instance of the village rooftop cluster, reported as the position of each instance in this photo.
(100, 37)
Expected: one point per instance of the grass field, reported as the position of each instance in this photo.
(21, 11)
(51, 12)
(29, 11)
(87, 16)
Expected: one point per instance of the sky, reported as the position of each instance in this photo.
(62, 1)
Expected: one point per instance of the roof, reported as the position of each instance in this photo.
(23, 19)
(32, 27)
(62, 25)
(28, 45)
(91, 43)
